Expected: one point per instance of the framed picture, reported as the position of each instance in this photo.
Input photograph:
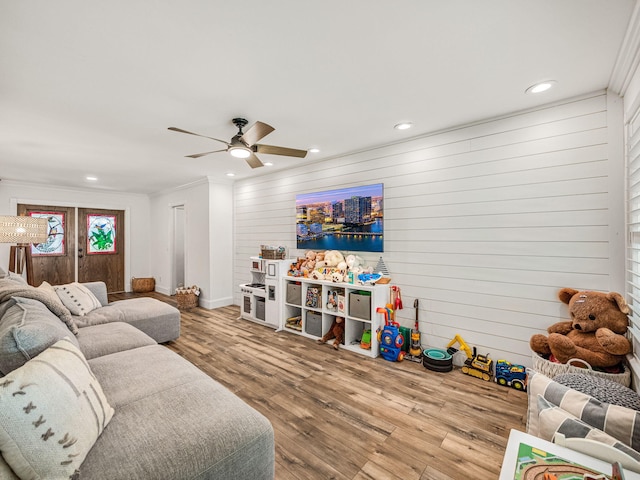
(55, 244)
(101, 234)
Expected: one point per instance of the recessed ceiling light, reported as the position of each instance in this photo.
(403, 125)
(541, 87)
(314, 150)
(91, 178)
(230, 174)
(268, 164)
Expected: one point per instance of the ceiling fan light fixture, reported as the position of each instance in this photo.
(314, 150)
(240, 152)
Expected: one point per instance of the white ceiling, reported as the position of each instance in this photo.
(89, 87)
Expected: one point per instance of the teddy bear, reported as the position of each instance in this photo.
(595, 332)
(336, 330)
(320, 261)
(333, 258)
(337, 276)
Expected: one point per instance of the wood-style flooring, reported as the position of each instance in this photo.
(339, 415)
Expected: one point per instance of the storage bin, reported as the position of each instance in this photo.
(294, 293)
(313, 324)
(360, 305)
(143, 285)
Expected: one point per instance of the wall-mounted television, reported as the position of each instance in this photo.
(347, 219)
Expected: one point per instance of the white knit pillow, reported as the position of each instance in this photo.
(52, 411)
(77, 298)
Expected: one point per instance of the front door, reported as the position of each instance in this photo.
(54, 260)
(99, 246)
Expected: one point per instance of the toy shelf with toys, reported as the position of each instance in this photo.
(310, 306)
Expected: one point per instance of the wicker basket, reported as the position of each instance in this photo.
(552, 369)
(187, 301)
(273, 254)
(187, 297)
(143, 285)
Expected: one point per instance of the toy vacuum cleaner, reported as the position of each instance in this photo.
(390, 339)
(415, 349)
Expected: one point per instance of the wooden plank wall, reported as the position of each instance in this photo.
(483, 223)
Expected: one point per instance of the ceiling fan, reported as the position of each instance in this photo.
(243, 144)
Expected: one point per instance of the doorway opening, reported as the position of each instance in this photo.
(178, 256)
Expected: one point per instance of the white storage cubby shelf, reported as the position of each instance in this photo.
(309, 301)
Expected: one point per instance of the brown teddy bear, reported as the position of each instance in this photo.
(595, 332)
(336, 330)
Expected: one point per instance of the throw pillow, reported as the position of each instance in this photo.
(601, 388)
(619, 422)
(28, 328)
(77, 298)
(50, 291)
(554, 420)
(52, 410)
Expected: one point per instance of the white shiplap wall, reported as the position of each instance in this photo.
(483, 223)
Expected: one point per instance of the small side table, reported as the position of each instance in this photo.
(517, 437)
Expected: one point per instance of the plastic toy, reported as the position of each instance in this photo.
(479, 366)
(511, 375)
(463, 346)
(416, 349)
(365, 342)
(390, 339)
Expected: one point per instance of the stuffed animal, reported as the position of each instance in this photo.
(337, 276)
(336, 330)
(595, 332)
(333, 258)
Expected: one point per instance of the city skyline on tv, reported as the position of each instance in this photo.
(341, 219)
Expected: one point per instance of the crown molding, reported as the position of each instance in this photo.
(628, 55)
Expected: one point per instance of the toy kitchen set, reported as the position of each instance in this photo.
(261, 298)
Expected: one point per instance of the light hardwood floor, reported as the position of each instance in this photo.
(339, 415)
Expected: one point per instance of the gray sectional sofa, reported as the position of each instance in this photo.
(170, 420)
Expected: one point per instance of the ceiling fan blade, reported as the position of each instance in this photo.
(198, 155)
(273, 150)
(175, 129)
(256, 132)
(254, 162)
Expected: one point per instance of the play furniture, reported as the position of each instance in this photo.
(510, 460)
(311, 300)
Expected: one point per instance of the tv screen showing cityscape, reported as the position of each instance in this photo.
(348, 219)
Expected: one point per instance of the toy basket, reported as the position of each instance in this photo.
(187, 297)
(273, 254)
(143, 285)
(552, 369)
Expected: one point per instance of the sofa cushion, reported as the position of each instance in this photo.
(555, 420)
(77, 298)
(52, 410)
(27, 328)
(98, 340)
(198, 428)
(619, 422)
(157, 319)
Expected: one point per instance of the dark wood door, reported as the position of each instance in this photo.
(101, 247)
(54, 260)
